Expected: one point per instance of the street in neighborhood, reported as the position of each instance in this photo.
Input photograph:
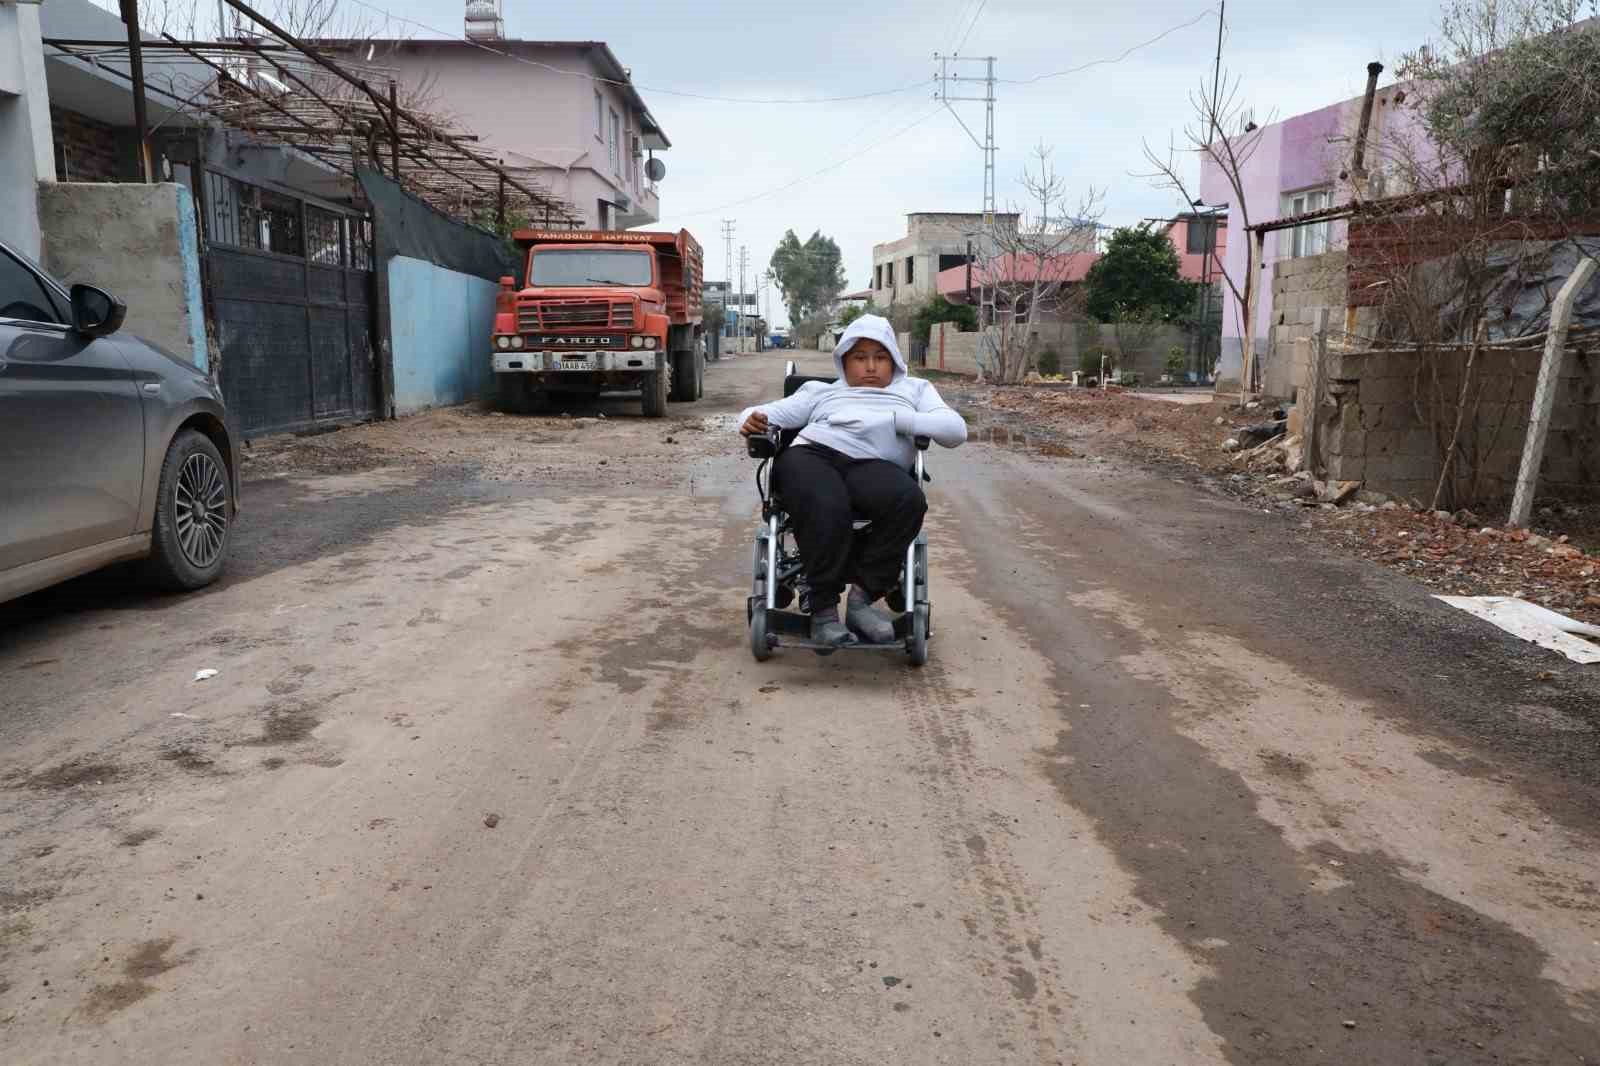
(486, 773)
(957, 533)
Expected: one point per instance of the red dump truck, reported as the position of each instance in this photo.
(601, 312)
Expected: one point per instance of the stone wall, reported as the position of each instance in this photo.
(139, 243)
(1372, 429)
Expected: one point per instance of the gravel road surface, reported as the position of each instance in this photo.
(488, 776)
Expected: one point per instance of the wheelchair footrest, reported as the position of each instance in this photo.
(790, 629)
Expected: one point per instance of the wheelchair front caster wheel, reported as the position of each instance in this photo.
(917, 643)
(760, 644)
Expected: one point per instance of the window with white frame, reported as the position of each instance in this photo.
(1312, 238)
(599, 116)
(616, 143)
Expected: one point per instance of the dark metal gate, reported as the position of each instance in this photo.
(289, 286)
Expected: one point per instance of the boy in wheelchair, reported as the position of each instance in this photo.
(852, 459)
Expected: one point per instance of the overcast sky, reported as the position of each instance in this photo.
(730, 160)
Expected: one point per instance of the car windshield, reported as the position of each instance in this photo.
(591, 267)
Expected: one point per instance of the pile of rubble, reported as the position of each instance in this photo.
(1259, 452)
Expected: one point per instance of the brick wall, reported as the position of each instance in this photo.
(1373, 431)
(86, 150)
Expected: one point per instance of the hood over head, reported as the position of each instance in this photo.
(872, 328)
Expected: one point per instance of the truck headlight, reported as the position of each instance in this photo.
(649, 342)
(638, 341)
(516, 342)
(502, 343)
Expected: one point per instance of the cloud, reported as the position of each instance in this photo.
(1292, 59)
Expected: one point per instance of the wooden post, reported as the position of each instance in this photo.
(141, 120)
(1544, 394)
(1319, 357)
(500, 203)
(394, 131)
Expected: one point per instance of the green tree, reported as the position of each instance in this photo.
(937, 309)
(855, 311)
(714, 317)
(810, 275)
(1138, 276)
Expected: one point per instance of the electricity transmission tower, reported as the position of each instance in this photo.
(987, 244)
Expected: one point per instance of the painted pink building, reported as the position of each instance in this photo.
(1298, 165)
(1187, 233)
(565, 111)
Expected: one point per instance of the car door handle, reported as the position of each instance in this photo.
(152, 388)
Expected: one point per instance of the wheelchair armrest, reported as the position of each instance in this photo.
(922, 443)
(762, 446)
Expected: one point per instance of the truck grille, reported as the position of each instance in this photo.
(596, 315)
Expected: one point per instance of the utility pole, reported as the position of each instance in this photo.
(987, 243)
(728, 225)
(765, 308)
(744, 261)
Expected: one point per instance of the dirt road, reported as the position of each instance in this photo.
(488, 775)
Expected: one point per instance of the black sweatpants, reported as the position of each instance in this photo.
(824, 491)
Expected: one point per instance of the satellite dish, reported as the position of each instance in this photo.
(655, 169)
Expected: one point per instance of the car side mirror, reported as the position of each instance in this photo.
(96, 312)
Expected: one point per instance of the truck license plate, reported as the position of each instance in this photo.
(570, 363)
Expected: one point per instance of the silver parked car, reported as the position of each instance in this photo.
(110, 449)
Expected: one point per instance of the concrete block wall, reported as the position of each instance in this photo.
(139, 243)
(1301, 289)
(1375, 430)
(1070, 340)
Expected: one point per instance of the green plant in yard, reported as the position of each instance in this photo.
(1092, 359)
(938, 309)
(1177, 361)
(1049, 362)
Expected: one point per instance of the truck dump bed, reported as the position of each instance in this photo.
(682, 261)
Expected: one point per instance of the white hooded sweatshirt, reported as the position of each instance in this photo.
(867, 423)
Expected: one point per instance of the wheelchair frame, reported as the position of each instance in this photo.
(776, 571)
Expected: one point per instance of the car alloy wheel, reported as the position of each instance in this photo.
(200, 509)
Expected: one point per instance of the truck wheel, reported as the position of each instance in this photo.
(657, 387)
(684, 379)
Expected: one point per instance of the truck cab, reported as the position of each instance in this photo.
(601, 311)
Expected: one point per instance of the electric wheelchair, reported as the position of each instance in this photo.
(778, 579)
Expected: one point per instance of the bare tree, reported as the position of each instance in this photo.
(1222, 131)
(1027, 262)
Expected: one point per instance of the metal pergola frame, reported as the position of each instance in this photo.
(287, 92)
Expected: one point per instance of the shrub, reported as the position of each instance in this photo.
(1177, 361)
(1090, 361)
(1050, 362)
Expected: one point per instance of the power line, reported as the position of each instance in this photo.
(970, 26)
(636, 85)
(1107, 62)
(817, 174)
